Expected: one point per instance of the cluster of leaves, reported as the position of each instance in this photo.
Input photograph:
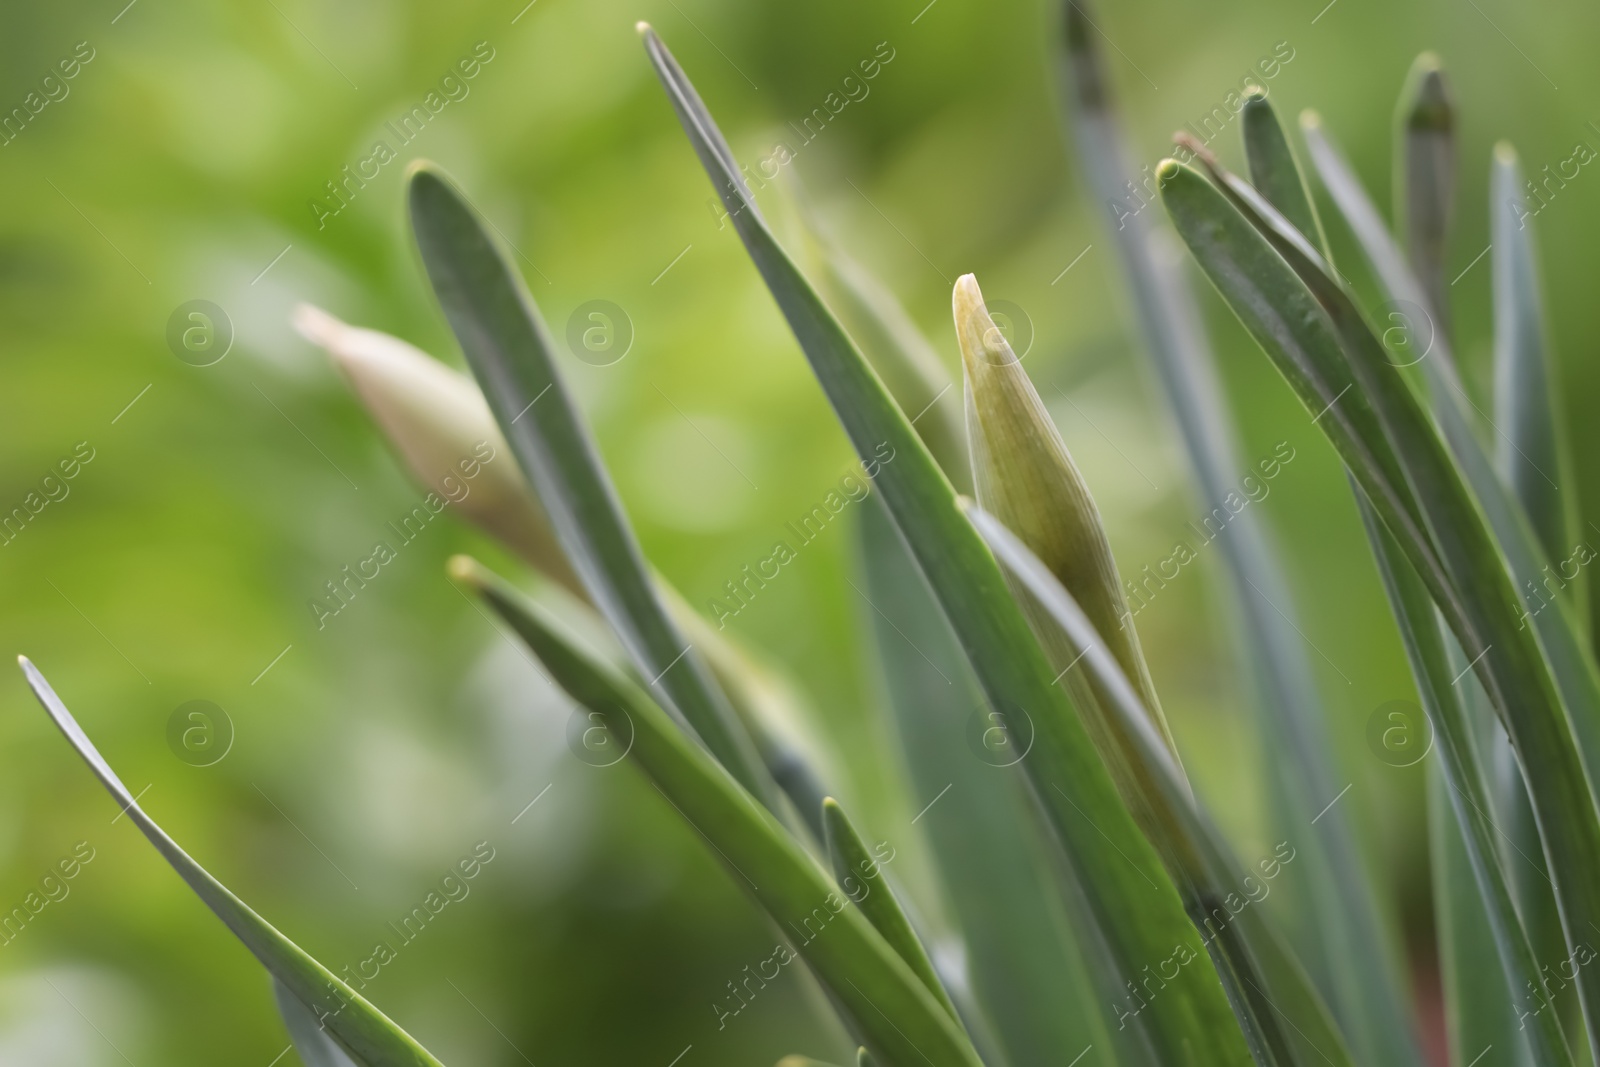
(1091, 894)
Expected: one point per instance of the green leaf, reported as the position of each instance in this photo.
(1532, 455)
(858, 874)
(1138, 912)
(894, 345)
(1026, 478)
(1533, 443)
(512, 355)
(1555, 619)
(1341, 934)
(1341, 371)
(769, 707)
(1289, 1025)
(1480, 1012)
(1571, 660)
(315, 1047)
(361, 1030)
(1028, 936)
(882, 995)
(1475, 959)
(1425, 176)
(436, 417)
(1460, 745)
(1274, 170)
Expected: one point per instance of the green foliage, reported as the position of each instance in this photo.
(1080, 896)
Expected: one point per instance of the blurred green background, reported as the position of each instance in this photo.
(372, 754)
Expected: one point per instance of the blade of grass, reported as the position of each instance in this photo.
(1028, 943)
(882, 995)
(1343, 938)
(360, 1029)
(1270, 992)
(1311, 329)
(854, 868)
(1139, 915)
(511, 353)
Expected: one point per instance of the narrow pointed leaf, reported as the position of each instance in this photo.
(1532, 444)
(1425, 176)
(512, 355)
(859, 875)
(1138, 912)
(1391, 448)
(1480, 1012)
(1571, 660)
(1341, 934)
(1034, 960)
(897, 350)
(1272, 995)
(1559, 635)
(770, 709)
(1275, 172)
(1460, 753)
(1477, 944)
(361, 1030)
(1473, 953)
(315, 1047)
(883, 997)
(1532, 454)
(436, 418)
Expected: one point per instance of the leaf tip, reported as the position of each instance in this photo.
(1431, 106)
(422, 168)
(1310, 119)
(1077, 26)
(1505, 153)
(424, 178)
